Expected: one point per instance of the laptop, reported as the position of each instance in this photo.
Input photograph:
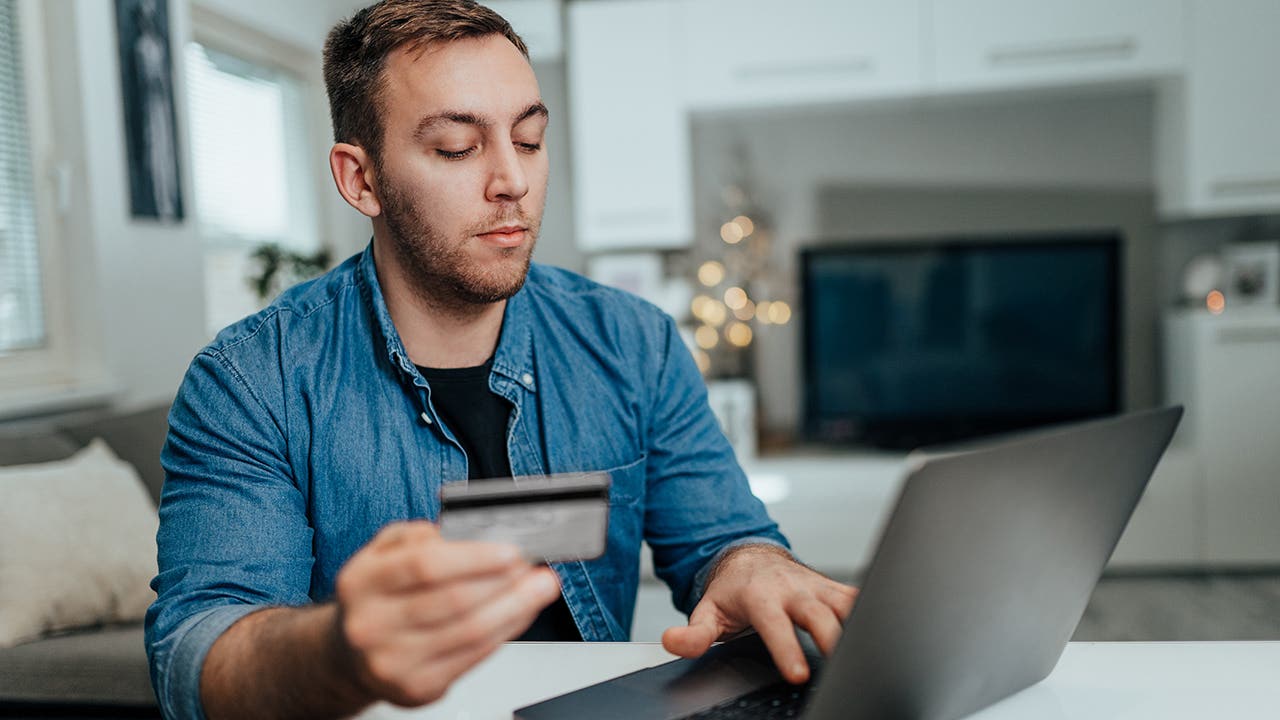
(981, 575)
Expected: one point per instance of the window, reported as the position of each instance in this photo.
(252, 169)
(22, 321)
(41, 361)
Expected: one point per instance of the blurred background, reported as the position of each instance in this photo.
(879, 223)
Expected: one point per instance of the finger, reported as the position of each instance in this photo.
(779, 635)
(840, 598)
(432, 682)
(410, 566)
(432, 679)
(692, 640)
(397, 532)
(445, 601)
(433, 673)
(821, 622)
(498, 620)
(488, 622)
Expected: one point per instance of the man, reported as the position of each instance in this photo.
(299, 572)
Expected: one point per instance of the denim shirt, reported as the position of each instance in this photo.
(301, 430)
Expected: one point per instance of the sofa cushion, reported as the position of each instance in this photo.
(135, 437)
(105, 666)
(77, 545)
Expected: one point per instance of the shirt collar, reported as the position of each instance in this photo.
(513, 358)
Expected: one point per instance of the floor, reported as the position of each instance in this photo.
(1150, 607)
(1193, 607)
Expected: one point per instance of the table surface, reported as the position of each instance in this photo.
(1099, 681)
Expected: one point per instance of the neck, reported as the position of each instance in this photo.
(436, 333)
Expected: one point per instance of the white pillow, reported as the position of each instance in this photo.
(77, 544)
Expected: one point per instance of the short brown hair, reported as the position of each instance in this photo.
(357, 49)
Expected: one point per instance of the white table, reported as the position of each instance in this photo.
(1097, 681)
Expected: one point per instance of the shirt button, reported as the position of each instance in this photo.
(527, 379)
(425, 418)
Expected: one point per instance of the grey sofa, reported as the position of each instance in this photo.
(95, 672)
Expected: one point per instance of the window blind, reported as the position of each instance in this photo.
(248, 144)
(251, 166)
(21, 310)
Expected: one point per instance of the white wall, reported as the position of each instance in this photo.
(134, 285)
(1093, 144)
(304, 23)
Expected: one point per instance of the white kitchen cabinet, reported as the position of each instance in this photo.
(1220, 129)
(999, 44)
(1167, 527)
(629, 126)
(762, 54)
(1226, 370)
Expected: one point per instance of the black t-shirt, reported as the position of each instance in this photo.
(478, 418)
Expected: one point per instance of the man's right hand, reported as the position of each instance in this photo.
(417, 611)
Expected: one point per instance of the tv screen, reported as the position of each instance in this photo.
(921, 342)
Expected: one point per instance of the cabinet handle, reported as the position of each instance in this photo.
(1100, 49)
(1238, 336)
(1246, 186)
(852, 66)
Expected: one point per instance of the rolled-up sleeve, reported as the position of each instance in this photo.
(698, 502)
(234, 535)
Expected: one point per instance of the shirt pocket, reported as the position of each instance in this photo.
(626, 483)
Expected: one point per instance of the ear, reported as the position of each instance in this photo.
(352, 170)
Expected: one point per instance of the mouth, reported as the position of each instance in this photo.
(505, 236)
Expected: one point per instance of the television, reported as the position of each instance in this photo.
(931, 341)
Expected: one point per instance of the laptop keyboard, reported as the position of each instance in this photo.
(782, 700)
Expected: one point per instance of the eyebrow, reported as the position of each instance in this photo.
(431, 122)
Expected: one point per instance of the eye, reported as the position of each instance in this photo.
(455, 154)
(530, 148)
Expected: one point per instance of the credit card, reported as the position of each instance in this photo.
(552, 518)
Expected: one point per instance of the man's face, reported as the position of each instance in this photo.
(462, 175)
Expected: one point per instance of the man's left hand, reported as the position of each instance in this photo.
(761, 586)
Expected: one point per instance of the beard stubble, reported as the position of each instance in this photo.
(440, 270)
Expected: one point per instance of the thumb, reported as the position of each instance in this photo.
(694, 639)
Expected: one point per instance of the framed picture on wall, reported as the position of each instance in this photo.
(151, 132)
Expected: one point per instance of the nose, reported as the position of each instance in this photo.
(507, 181)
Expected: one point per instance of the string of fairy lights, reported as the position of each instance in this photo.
(724, 307)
